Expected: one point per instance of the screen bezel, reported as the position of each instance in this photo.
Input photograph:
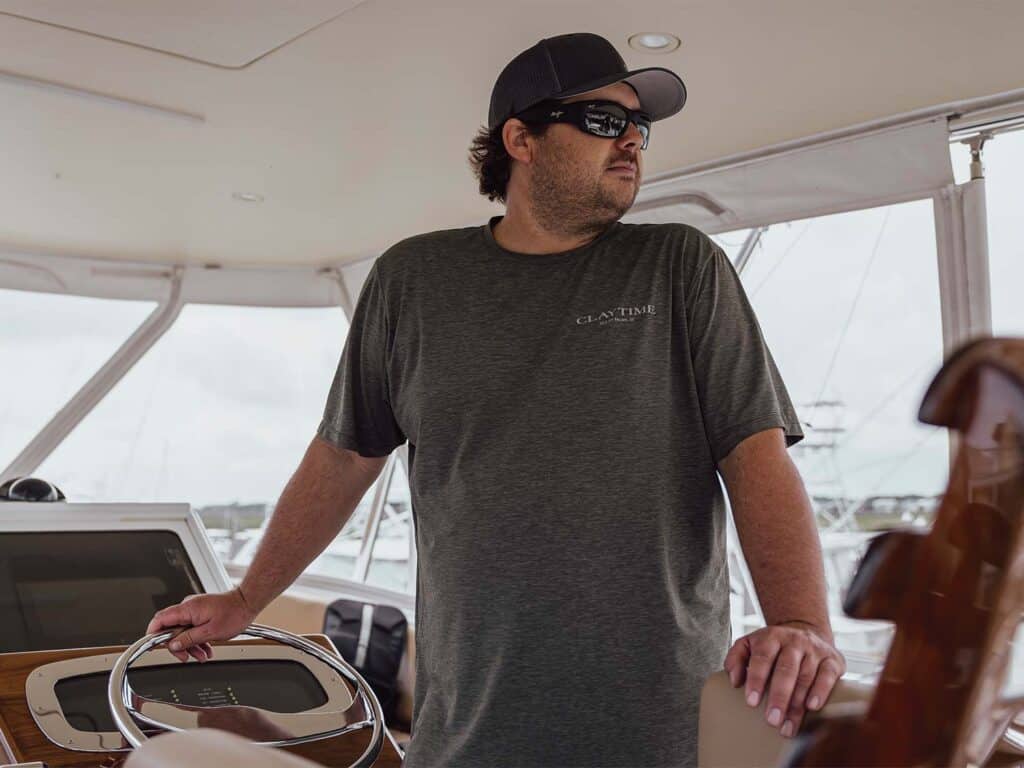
(47, 517)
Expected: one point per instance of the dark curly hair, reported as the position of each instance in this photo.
(490, 161)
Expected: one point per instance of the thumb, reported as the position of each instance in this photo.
(190, 637)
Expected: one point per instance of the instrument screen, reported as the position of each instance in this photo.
(277, 686)
(81, 589)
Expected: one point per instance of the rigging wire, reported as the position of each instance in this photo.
(886, 399)
(901, 459)
(782, 258)
(853, 309)
(874, 410)
(160, 364)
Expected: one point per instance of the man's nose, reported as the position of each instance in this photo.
(631, 138)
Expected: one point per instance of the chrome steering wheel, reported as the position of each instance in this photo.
(282, 729)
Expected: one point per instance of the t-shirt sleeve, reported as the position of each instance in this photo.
(739, 386)
(358, 415)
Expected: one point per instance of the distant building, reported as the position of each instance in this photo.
(877, 513)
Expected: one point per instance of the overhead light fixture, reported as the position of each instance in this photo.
(654, 42)
(248, 197)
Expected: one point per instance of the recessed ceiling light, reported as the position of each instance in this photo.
(248, 197)
(654, 42)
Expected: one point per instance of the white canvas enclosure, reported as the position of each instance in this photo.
(869, 168)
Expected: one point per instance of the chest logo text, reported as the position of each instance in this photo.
(617, 315)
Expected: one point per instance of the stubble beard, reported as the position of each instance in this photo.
(566, 200)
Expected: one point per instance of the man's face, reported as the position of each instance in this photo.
(574, 186)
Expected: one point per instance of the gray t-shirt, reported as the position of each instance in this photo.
(565, 414)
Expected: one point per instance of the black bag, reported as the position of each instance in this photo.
(376, 653)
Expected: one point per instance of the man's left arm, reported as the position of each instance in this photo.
(793, 660)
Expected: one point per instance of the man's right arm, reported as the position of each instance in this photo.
(314, 506)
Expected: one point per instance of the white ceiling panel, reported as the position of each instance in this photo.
(355, 135)
(226, 33)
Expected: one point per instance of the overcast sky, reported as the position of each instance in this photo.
(222, 407)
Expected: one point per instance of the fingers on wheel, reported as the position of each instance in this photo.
(189, 637)
(201, 651)
(189, 642)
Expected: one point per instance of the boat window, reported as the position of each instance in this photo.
(1004, 193)
(849, 305)
(392, 559)
(52, 345)
(338, 560)
(218, 414)
(77, 589)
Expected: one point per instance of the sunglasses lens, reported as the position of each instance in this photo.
(645, 131)
(607, 121)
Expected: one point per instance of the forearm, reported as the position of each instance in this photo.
(777, 530)
(314, 506)
(792, 667)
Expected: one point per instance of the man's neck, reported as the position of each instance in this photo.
(521, 233)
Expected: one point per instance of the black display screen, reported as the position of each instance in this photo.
(81, 589)
(277, 686)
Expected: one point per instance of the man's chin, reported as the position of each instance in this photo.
(608, 215)
(622, 193)
(619, 205)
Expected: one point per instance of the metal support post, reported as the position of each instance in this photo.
(96, 388)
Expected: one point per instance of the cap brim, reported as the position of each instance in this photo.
(661, 91)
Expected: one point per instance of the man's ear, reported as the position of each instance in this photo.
(518, 141)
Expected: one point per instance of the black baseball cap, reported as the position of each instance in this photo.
(568, 65)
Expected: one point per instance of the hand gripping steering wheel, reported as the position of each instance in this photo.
(282, 728)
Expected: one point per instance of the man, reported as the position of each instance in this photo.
(568, 385)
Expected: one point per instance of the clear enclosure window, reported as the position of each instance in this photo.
(849, 306)
(217, 414)
(392, 557)
(52, 345)
(338, 560)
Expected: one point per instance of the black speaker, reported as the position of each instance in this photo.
(30, 489)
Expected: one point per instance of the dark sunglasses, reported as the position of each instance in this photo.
(605, 119)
